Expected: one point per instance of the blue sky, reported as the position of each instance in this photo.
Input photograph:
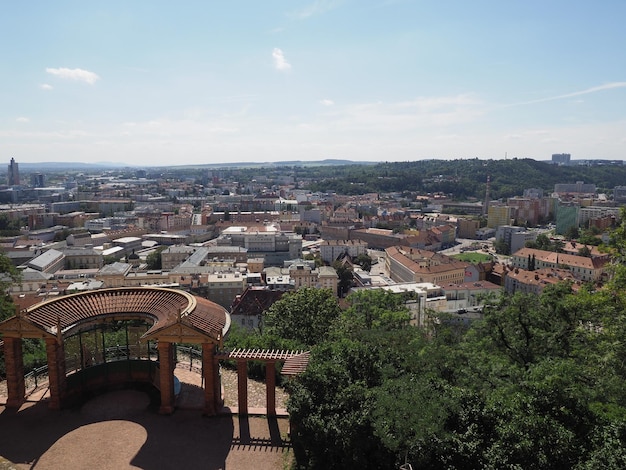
(163, 82)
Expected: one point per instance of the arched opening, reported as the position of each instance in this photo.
(114, 336)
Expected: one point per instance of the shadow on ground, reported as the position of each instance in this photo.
(122, 429)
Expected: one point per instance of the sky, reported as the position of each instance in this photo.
(153, 83)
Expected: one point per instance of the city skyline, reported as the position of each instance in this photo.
(153, 83)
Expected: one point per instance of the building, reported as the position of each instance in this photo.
(247, 309)
(13, 173)
(514, 237)
(223, 287)
(82, 258)
(48, 262)
(619, 194)
(38, 180)
(413, 265)
(266, 241)
(174, 255)
(330, 250)
(566, 217)
(582, 268)
(561, 158)
(575, 188)
(533, 282)
(529, 211)
(467, 228)
(586, 215)
(499, 214)
(469, 295)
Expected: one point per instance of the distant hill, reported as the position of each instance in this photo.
(69, 166)
(82, 166)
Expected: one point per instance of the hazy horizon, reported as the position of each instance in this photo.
(153, 83)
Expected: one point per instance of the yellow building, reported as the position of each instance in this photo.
(499, 215)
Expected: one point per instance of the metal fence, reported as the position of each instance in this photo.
(187, 355)
(35, 378)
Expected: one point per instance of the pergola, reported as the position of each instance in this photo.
(69, 326)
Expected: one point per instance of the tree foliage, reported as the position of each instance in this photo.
(538, 383)
(305, 316)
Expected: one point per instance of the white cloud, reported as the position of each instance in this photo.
(74, 74)
(45, 86)
(327, 102)
(279, 60)
(22, 119)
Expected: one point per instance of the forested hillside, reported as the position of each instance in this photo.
(461, 178)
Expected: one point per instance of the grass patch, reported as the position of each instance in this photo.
(473, 257)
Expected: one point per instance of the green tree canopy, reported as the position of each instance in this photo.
(305, 316)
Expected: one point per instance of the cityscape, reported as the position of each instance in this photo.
(249, 239)
(313, 234)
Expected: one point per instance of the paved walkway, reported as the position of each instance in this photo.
(120, 430)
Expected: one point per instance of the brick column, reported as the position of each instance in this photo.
(242, 387)
(270, 388)
(14, 362)
(55, 353)
(166, 377)
(211, 380)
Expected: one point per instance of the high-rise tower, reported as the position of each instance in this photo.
(13, 174)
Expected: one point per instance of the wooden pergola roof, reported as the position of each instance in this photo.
(166, 308)
(295, 362)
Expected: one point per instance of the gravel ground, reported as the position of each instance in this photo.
(120, 430)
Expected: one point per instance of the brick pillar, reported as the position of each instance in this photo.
(166, 377)
(14, 362)
(270, 388)
(212, 386)
(55, 353)
(242, 387)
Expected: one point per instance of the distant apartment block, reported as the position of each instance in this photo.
(567, 216)
(561, 158)
(575, 188)
(499, 215)
(591, 213)
(619, 194)
(467, 228)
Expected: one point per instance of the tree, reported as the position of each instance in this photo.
(345, 277)
(305, 316)
(374, 309)
(153, 260)
(365, 261)
(9, 275)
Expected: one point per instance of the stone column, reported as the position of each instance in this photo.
(14, 362)
(55, 353)
(242, 386)
(166, 379)
(212, 386)
(270, 388)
